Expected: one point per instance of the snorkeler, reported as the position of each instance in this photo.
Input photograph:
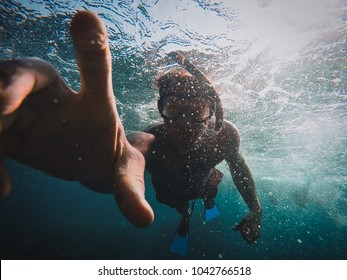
(70, 135)
(182, 152)
(79, 136)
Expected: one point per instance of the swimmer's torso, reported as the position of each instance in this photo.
(182, 170)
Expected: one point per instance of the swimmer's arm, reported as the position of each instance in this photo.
(249, 226)
(142, 141)
(241, 173)
(244, 182)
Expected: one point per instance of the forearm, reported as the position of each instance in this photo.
(245, 184)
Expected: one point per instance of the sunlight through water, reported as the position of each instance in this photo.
(281, 69)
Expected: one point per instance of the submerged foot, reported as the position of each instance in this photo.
(211, 213)
(180, 242)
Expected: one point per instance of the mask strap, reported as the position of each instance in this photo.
(190, 67)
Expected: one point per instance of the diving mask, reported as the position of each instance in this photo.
(200, 108)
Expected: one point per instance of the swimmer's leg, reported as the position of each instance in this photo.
(210, 193)
(180, 241)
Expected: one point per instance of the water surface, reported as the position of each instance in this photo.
(280, 67)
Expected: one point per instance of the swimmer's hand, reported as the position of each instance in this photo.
(249, 226)
(72, 135)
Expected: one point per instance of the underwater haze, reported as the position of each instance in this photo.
(281, 69)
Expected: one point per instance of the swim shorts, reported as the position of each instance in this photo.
(208, 192)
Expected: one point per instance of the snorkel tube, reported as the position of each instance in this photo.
(190, 67)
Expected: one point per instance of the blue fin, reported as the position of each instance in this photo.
(212, 213)
(180, 244)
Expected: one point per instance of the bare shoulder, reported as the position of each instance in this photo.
(155, 128)
(228, 139)
(142, 141)
(230, 131)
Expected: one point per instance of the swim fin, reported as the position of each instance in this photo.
(211, 213)
(180, 244)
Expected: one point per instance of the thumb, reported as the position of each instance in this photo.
(129, 188)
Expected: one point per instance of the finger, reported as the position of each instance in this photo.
(236, 227)
(89, 35)
(5, 182)
(14, 88)
(130, 190)
(249, 235)
(132, 203)
(250, 238)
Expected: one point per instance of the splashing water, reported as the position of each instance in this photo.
(281, 70)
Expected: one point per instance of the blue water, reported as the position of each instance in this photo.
(282, 72)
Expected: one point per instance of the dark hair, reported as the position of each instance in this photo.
(179, 81)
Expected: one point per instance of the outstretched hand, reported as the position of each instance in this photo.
(249, 226)
(70, 135)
